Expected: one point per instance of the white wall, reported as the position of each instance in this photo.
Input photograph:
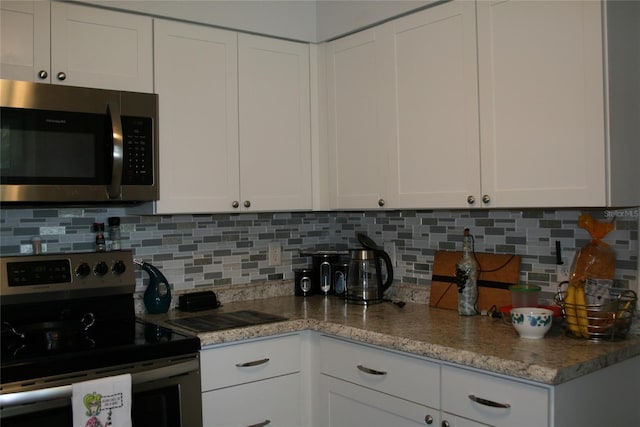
(335, 18)
(304, 20)
(294, 20)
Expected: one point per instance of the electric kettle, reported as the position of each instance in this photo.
(364, 281)
(157, 297)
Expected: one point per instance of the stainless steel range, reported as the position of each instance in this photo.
(68, 318)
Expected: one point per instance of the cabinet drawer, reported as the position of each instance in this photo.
(528, 404)
(347, 404)
(275, 400)
(403, 376)
(242, 363)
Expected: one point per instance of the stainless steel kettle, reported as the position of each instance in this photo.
(364, 281)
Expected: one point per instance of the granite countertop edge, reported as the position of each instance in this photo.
(580, 357)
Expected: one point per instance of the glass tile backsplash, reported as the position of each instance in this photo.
(203, 250)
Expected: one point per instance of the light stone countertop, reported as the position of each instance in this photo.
(479, 341)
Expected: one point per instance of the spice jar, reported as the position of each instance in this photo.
(98, 228)
(114, 233)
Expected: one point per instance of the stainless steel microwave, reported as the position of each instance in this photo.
(71, 144)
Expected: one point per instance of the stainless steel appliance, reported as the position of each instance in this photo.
(303, 281)
(323, 263)
(70, 318)
(71, 144)
(365, 283)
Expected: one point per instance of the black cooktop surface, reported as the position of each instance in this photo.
(127, 341)
(221, 321)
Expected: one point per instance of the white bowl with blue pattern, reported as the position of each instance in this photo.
(531, 322)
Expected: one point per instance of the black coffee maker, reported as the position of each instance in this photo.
(325, 263)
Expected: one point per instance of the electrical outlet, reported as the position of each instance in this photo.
(562, 272)
(275, 254)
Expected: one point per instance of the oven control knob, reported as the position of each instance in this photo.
(119, 267)
(101, 268)
(83, 270)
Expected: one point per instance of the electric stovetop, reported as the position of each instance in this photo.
(128, 342)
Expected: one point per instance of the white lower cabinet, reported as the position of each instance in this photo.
(311, 379)
(492, 400)
(351, 405)
(255, 383)
(271, 402)
(362, 385)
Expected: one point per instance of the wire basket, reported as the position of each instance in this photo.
(609, 320)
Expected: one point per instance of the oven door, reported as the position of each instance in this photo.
(164, 394)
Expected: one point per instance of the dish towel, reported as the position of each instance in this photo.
(103, 402)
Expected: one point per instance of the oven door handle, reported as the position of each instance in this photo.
(65, 391)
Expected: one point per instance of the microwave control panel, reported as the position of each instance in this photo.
(137, 139)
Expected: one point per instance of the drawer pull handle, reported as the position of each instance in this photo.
(370, 371)
(491, 403)
(262, 424)
(254, 363)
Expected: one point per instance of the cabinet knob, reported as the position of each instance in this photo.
(486, 198)
(262, 424)
(445, 423)
(428, 419)
(61, 75)
(43, 74)
(235, 204)
(381, 202)
(471, 200)
(247, 204)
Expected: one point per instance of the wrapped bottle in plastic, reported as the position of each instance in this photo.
(467, 278)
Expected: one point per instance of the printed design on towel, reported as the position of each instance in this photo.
(95, 403)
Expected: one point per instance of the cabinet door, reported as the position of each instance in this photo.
(348, 405)
(541, 103)
(24, 40)
(437, 148)
(100, 48)
(275, 129)
(359, 129)
(196, 81)
(274, 402)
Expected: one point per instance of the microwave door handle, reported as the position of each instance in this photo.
(113, 109)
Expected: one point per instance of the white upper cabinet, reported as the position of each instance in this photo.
(275, 124)
(101, 48)
(435, 91)
(76, 45)
(541, 103)
(538, 115)
(359, 126)
(24, 40)
(234, 121)
(196, 79)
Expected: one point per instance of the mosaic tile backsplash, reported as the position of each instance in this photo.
(228, 249)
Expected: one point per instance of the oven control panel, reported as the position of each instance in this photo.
(85, 274)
